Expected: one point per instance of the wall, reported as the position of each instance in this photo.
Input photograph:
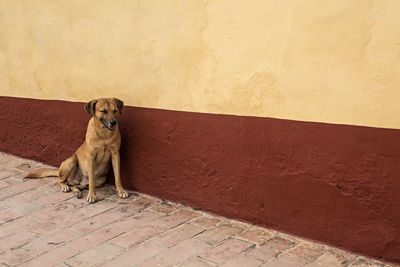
(215, 96)
(333, 62)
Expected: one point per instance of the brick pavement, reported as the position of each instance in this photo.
(41, 226)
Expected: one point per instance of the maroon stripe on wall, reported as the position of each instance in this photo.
(333, 183)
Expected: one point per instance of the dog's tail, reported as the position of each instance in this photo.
(43, 173)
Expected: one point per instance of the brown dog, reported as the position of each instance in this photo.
(90, 164)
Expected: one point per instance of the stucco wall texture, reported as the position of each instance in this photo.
(334, 183)
(312, 60)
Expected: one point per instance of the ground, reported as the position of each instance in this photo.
(41, 226)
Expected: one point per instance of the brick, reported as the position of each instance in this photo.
(19, 204)
(4, 157)
(50, 242)
(5, 173)
(20, 224)
(219, 233)
(131, 207)
(291, 238)
(14, 161)
(109, 193)
(137, 236)
(51, 258)
(152, 263)
(69, 219)
(226, 251)
(135, 221)
(15, 240)
(126, 210)
(20, 188)
(328, 259)
(87, 210)
(94, 238)
(367, 263)
(26, 197)
(4, 183)
(28, 166)
(206, 222)
(8, 215)
(142, 203)
(54, 198)
(164, 209)
(51, 187)
(77, 203)
(173, 220)
(257, 236)
(244, 226)
(271, 249)
(243, 260)
(54, 224)
(307, 251)
(27, 208)
(33, 194)
(183, 251)
(25, 167)
(343, 256)
(288, 260)
(138, 254)
(178, 234)
(105, 264)
(16, 256)
(53, 211)
(95, 255)
(98, 221)
(196, 263)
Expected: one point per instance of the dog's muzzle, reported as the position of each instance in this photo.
(110, 125)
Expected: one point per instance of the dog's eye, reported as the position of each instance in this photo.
(114, 110)
(103, 111)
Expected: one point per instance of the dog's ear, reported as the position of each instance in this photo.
(90, 107)
(120, 104)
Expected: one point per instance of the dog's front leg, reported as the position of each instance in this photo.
(91, 197)
(115, 159)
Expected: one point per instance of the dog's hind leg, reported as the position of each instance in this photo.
(76, 189)
(67, 169)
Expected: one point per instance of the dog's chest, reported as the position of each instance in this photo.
(102, 154)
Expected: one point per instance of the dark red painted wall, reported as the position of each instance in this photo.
(333, 183)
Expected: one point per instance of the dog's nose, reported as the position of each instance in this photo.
(113, 123)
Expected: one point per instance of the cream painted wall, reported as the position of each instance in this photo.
(314, 60)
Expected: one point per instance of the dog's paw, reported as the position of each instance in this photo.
(122, 193)
(91, 198)
(65, 188)
(77, 194)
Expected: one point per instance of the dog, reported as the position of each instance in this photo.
(89, 165)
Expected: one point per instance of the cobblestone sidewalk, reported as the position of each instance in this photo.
(41, 226)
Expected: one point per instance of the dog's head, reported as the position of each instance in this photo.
(105, 110)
